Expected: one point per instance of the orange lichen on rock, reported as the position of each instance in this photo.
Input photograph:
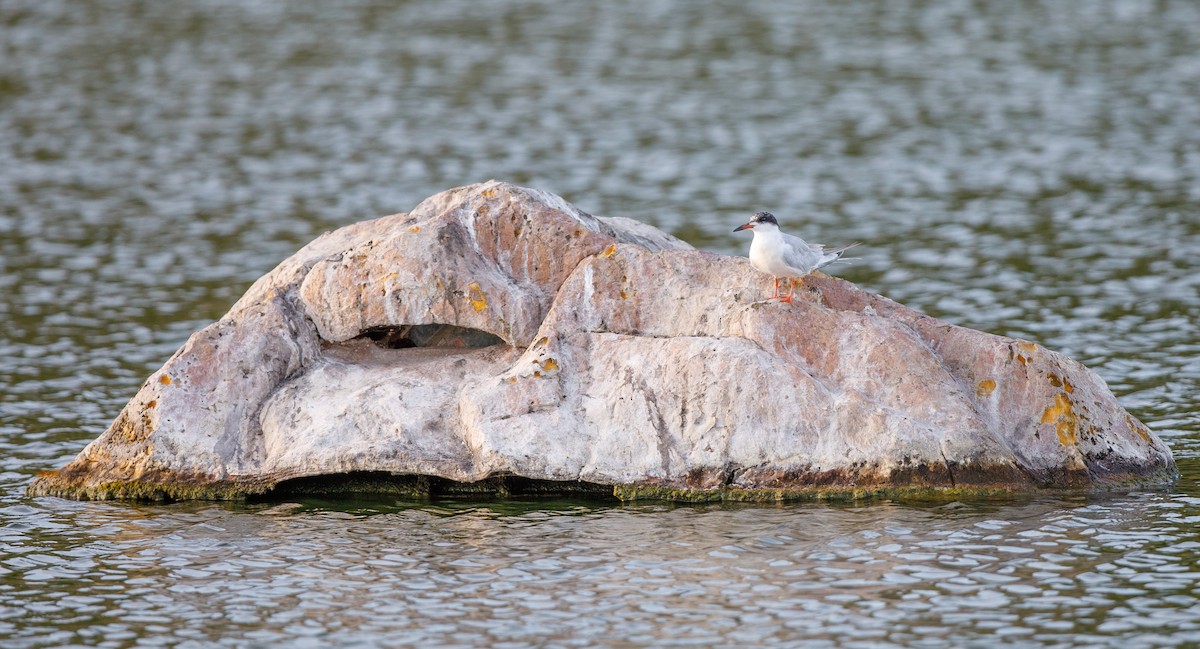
(1138, 427)
(164, 379)
(985, 388)
(477, 297)
(608, 252)
(1029, 351)
(1060, 383)
(1062, 415)
(131, 429)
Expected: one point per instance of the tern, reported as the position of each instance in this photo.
(783, 255)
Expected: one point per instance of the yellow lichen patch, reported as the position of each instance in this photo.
(624, 295)
(153, 403)
(1027, 347)
(985, 388)
(1138, 427)
(1060, 383)
(543, 341)
(477, 297)
(164, 379)
(1062, 415)
(415, 228)
(130, 430)
(1022, 360)
(537, 374)
(388, 276)
(608, 252)
(488, 193)
(549, 364)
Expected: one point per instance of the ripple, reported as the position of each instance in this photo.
(1032, 173)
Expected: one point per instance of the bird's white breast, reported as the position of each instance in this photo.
(771, 254)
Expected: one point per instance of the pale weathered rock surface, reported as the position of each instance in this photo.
(621, 357)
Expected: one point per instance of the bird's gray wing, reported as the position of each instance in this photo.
(800, 254)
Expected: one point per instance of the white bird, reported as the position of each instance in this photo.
(783, 255)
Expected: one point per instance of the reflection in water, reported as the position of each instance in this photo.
(1030, 171)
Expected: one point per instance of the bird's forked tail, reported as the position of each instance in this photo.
(830, 256)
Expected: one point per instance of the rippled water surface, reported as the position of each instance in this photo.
(1030, 169)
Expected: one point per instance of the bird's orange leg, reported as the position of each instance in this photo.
(776, 290)
(791, 289)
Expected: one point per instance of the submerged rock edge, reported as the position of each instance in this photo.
(410, 487)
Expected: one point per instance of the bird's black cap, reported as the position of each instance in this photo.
(759, 217)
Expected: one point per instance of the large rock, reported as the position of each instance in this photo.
(498, 338)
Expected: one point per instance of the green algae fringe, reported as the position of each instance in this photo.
(647, 492)
(145, 491)
(404, 486)
(422, 487)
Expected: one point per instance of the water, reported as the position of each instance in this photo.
(1062, 572)
(1031, 170)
